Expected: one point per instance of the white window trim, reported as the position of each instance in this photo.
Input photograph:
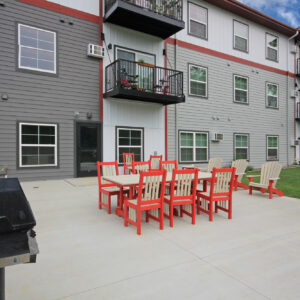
(272, 148)
(193, 147)
(235, 147)
(197, 21)
(269, 83)
(190, 80)
(234, 35)
(238, 89)
(37, 145)
(123, 146)
(271, 47)
(19, 50)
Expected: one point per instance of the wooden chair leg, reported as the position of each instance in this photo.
(211, 211)
(230, 209)
(194, 213)
(198, 205)
(236, 183)
(250, 190)
(171, 215)
(147, 216)
(100, 201)
(270, 188)
(125, 214)
(161, 218)
(181, 212)
(139, 222)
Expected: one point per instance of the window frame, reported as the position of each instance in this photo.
(234, 89)
(267, 105)
(234, 145)
(41, 71)
(117, 142)
(189, 79)
(267, 147)
(194, 147)
(234, 47)
(277, 60)
(20, 145)
(189, 19)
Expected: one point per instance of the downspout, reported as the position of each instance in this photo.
(176, 127)
(287, 102)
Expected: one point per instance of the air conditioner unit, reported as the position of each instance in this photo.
(294, 49)
(95, 51)
(217, 137)
(294, 143)
(294, 93)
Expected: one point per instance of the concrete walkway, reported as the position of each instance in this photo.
(87, 254)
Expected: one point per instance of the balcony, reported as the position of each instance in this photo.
(298, 111)
(298, 67)
(161, 18)
(143, 82)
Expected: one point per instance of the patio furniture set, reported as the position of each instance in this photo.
(162, 190)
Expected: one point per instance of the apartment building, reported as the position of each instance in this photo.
(187, 79)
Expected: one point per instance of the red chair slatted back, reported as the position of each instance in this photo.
(168, 165)
(184, 184)
(222, 182)
(128, 159)
(153, 161)
(112, 169)
(139, 166)
(151, 188)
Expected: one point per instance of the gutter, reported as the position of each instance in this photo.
(287, 99)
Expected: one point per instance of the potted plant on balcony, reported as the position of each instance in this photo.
(125, 84)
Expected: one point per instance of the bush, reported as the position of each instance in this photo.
(249, 169)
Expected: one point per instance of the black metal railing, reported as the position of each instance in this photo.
(169, 8)
(298, 67)
(143, 77)
(298, 111)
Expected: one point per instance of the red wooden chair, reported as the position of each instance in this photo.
(220, 193)
(155, 161)
(168, 165)
(107, 189)
(139, 166)
(183, 194)
(128, 160)
(150, 197)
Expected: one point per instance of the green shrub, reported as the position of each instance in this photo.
(249, 169)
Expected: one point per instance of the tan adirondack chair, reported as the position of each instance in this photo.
(270, 172)
(240, 165)
(214, 162)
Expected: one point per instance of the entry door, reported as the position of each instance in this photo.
(88, 148)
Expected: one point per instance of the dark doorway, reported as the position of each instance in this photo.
(88, 143)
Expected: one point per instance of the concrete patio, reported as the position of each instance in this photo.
(87, 254)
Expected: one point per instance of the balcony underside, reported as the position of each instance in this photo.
(136, 95)
(140, 19)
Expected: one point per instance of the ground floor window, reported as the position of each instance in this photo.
(37, 145)
(272, 147)
(241, 146)
(193, 146)
(130, 140)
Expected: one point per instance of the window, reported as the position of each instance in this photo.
(198, 21)
(193, 146)
(272, 147)
(240, 36)
(37, 49)
(241, 146)
(240, 89)
(38, 145)
(130, 140)
(198, 81)
(272, 95)
(272, 47)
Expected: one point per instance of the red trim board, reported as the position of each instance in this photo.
(63, 10)
(228, 57)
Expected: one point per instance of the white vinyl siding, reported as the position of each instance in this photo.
(272, 95)
(240, 36)
(240, 89)
(197, 81)
(197, 21)
(193, 146)
(272, 47)
(241, 146)
(130, 140)
(272, 147)
(37, 49)
(37, 145)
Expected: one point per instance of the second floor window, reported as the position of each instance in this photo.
(271, 47)
(198, 21)
(272, 95)
(241, 36)
(37, 49)
(240, 89)
(197, 81)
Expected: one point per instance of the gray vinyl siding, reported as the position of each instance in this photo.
(42, 98)
(254, 119)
